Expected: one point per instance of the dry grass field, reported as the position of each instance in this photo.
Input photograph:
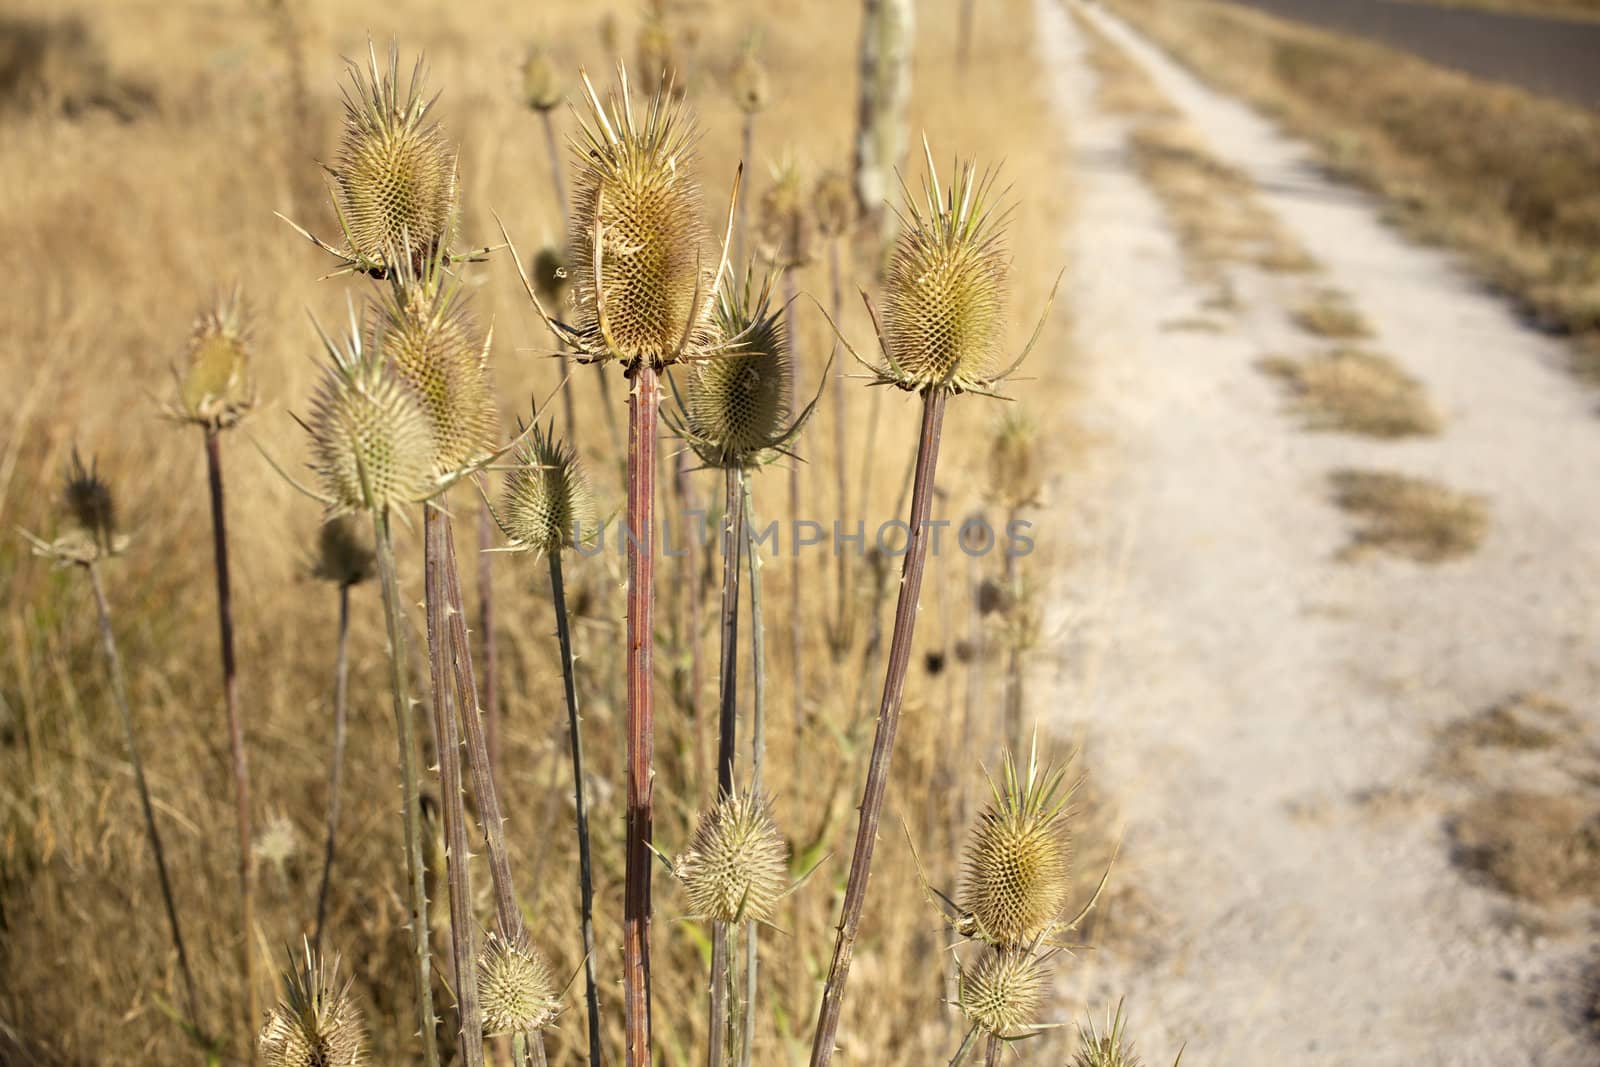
(148, 147)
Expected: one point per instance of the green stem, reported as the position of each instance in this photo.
(580, 793)
(966, 1047)
(991, 1056)
(411, 810)
(732, 544)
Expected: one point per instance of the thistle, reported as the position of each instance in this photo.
(317, 1023)
(1003, 992)
(749, 82)
(785, 226)
(1018, 861)
(1110, 1049)
(215, 389)
(736, 866)
(515, 986)
(834, 204)
(91, 511)
(548, 504)
(541, 85)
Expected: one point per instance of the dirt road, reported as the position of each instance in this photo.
(1267, 716)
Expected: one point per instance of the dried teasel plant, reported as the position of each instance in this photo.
(940, 335)
(1002, 993)
(786, 227)
(215, 389)
(515, 986)
(1018, 861)
(1109, 1049)
(543, 93)
(317, 1023)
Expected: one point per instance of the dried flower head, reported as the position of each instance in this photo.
(91, 518)
(394, 178)
(548, 504)
(215, 389)
(785, 229)
(1003, 992)
(834, 204)
(371, 443)
(1014, 476)
(515, 987)
(736, 864)
(541, 85)
(1018, 860)
(749, 83)
(424, 331)
(735, 411)
(277, 843)
(317, 1023)
(550, 276)
(1111, 1049)
(344, 554)
(642, 283)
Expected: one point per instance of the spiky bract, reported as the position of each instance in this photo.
(394, 177)
(541, 85)
(215, 388)
(317, 1023)
(640, 272)
(786, 230)
(737, 405)
(515, 987)
(371, 444)
(1018, 861)
(344, 555)
(835, 204)
(943, 319)
(1003, 992)
(549, 504)
(736, 864)
(1110, 1049)
(424, 331)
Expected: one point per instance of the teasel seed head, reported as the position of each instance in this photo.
(652, 298)
(541, 85)
(749, 83)
(317, 1023)
(89, 502)
(345, 555)
(515, 987)
(1014, 476)
(735, 868)
(786, 232)
(1018, 860)
(1110, 1049)
(548, 504)
(424, 331)
(736, 406)
(394, 177)
(372, 446)
(215, 389)
(943, 315)
(834, 204)
(1004, 991)
(658, 65)
(550, 277)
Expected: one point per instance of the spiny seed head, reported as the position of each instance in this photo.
(943, 318)
(1003, 992)
(541, 85)
(835, 204)
(658, 67)
(736, 405)
(550, 275)
(1111, 1049)
(786, 231)
(515, 986)
(371, 443)
(749, 83)
(344, 555)
(736, 864)
(1013, 461)
(548, 505)
(1018, 859)
(88, 501)
(394, 177)
(317, 1023)
(635, 195)
(215, 389)
(425, 332)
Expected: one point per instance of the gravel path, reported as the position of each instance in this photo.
(1262, 715)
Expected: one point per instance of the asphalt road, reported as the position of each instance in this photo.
(1556, 57)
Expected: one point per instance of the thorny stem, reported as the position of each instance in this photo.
(796, 631)
(119, 689)
(643, 403)
(558, 596)
(855, 895)
(966, 1047)
(341, 679)
(728, 692)
(758, 747)
(451, 802)
(411, 807)
(236, 741)
(991, 1055)
(491, 644)
(721, 988)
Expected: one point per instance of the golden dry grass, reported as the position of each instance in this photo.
(1329, 313)
(1409, 517)
(117, 231)
(1542, 848)
(1502, 174)
(1354, 391)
